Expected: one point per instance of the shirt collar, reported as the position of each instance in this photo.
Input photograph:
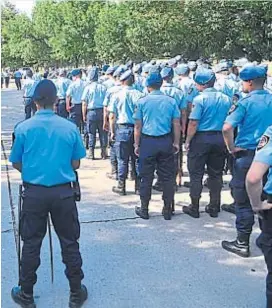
(210, 90)
(261, 91)
(156, 92)
(44, 111)
(168, 84)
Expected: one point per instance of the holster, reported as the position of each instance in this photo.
(76, 188)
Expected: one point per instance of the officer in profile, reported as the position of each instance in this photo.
(47, 159)
(252, 116)
(156, 116)
(205, 143)
(262, 163)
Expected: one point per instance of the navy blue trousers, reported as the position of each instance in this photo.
(206, 149)
(243, 209)
(30, 108)
(157, 153)
(94, 124)
(76, 115)
(61, 109)
(59, 201)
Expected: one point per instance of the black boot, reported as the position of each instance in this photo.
(142, 211)
(167, 210)
(120, 188)
(91, 154)
(230, 208)
(77, 298)
(240, 246)
(193, 209)
(187, 184)
(212, 210)
(132, 176)
(21, 298)
(157, 186)
(113, 174)
(104, 153)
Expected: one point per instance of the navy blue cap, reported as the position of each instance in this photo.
(182, 69)
(221, 67)
(167, 72)
(110, 70)
(126, 75)
(119, 71)
(29, 73)
(45, 92)
(93, 74)
(154, 68)
(76, 72)
(265, 66)
(251, 72)
(153, 79)
(105, 67)
(203, 76)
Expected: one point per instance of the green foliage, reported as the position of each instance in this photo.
(80, 32)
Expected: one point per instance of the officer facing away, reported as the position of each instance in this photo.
(62, 85)
(262, 162)
(29, 88)
(47, 189)
(155, 117)
(73, 98)
(92, 109)
(252, 116)
(121, 108)
(18, 77)
(205, 143)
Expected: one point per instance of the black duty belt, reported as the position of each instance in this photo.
(27, 97)
(244, 153)
(95, 109)
(25, 184)
(62, 99)
(156, 137)
(125, 125)
(210, 132)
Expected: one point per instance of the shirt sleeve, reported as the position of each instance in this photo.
(182, 100)
(112, 104)
(106, 99)
(236, 115)
(264, 149)
(138, 114)
(69, 90)
(176, 112)
(79, 150)
(17, 150)
(84, 94)
(197, 109)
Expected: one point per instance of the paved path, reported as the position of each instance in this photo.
(129, 262)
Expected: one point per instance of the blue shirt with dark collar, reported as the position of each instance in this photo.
(178, 95)
(46, 144)
(75, 91)
(156, 111)
(94, 95)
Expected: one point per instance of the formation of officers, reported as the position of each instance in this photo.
(145, 112)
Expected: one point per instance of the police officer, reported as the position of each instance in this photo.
(254, 182)
(121, 108)
(29, 88)
(73, 98)
(18, 77)
(110, 82)
(252, 115)
(117, 86)
(138, 79)
(93, 98)
(156, 117)
(47, 189)
(205, 143)
(62, 85)
(37, 76)
(6, 78)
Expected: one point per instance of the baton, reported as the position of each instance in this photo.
(51, 249)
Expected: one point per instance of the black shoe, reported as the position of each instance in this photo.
(191, 210)
(187, 184)
(212, 210)
(143, 213)
(239, 248)
(230, 208)
(157, 186)
(22, 299)
(91, 154)
(78, 298)
(167, 212)
(120, 189)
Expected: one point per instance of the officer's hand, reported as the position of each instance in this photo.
(68, 109)
(137, 150)
(236, 149)
(263, 206)
(187, 145)
(84, 119)
(176, 148)
(106, 127)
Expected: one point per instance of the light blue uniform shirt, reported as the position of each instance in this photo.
(156, 111)
(17, 74)
(264, 155)
(172, 91)
(210, 109)
(94, 95)
(75, 90)
(109, 94)
(192, 93)
(185, 85)
(227, 86)
(123, 104)
(37, 76)
(252, 115)
(138, 83)
(46, 144)
(62, 85)
(29, 87)
(109, 83)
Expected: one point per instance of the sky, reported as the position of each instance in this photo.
(24, 5)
